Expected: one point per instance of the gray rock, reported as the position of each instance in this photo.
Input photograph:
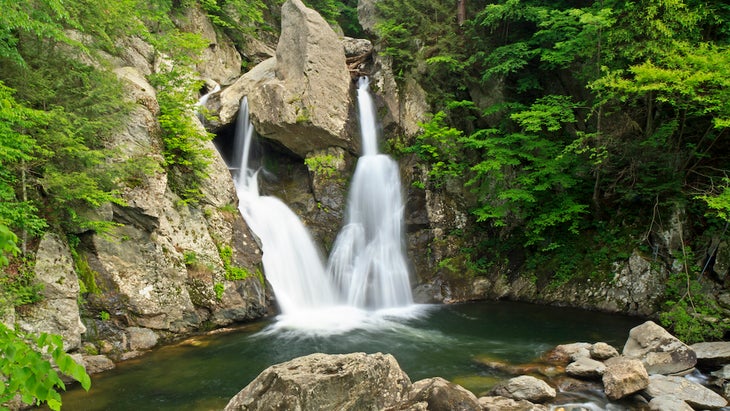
(722, 373)
(585, 368)
(658, 350)
(141, 338)
(95, 364)
(355, 381)
(442, 395)
(692, 393)
(219, 61)
(601, 351)
(300, 98)
(624, 376)
(668, 403)
(525, 387)
(58, 311)
(497, 403)
(712, 353)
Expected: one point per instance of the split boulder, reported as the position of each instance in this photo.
(658, 350)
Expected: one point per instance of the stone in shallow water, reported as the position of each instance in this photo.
(601, 351)
(585, 368)
(527, 388)
(668, 403)
(624, 376)
(690, 392)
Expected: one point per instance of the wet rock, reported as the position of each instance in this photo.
(601, 351)
(95, 364)
(692, 393)
(624, 376)
(712, 353)
(355, 381)
(498, 403)
(141, 338)
(668, 403)
(658, 350)
(442, 395)
(58, 311)
(585, 368)
(566, 353)
(525, 388)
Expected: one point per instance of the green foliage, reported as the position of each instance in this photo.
(438, 145)
(184, 151)
(719, 203)
(104, 315)
(329, 9)
(689, 312)
(18, 286)
(218, 288)
(26, 372)
(233, 272)
(241, 15)
(324, 164)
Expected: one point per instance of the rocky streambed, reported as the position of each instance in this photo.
(653, 371)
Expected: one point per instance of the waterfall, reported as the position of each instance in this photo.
(368, 261)
(367, 269)
(287, 247)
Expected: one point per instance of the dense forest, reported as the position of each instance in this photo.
(578, 129)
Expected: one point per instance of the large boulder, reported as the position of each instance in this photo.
(690, 392)
(624, 376)
(354, 382)
(301, 97)
(58, 310)
(658, 350)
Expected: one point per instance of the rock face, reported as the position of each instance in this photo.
(658, 350)
(219, 61)
(301, 97)
(58, 311)
(326, 382)
(160, 267)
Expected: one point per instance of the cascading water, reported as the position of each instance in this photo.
(286, 245)
(368, 262)
(367, 270)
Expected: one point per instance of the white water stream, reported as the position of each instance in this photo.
(367, 276)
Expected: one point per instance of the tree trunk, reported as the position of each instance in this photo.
(460, 12)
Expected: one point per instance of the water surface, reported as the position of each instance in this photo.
(204, 372)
